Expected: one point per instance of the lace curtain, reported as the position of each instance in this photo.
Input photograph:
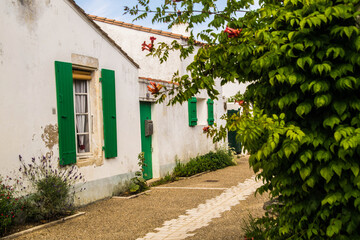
(81, 114)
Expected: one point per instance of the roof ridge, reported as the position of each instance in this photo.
(158, 80)
(137, 27)
(142, 28)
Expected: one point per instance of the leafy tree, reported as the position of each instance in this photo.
(302, 60)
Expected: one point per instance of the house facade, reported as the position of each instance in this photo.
(177, 130)
(68, 92)
(72, 91)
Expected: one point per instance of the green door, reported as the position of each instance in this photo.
(232, 135)
(145, 114)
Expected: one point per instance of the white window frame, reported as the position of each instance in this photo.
(89, 115)
(202, 111)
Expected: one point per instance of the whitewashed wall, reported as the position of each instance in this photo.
(230, 89)
(34, 35)
(173, 138)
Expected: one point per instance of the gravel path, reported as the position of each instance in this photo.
(137, 217)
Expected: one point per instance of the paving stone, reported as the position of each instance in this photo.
(202, 215)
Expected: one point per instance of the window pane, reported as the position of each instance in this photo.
(82, 126)
(83, 143)
(81, 104)
(82, 116)
(80, 86)
(81, 101)
(82, 123)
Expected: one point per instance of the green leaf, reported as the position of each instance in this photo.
(287, 152)
(311, 182)
(291, 35)
(355, 169)
(292, 79)
(357, 43)
(337, 167)
(322, 100)
(303, 108)
(357, 203)
(304, 172)
(334, 228)
(326, 173)
(331, 121)
(304, 158)
(332, 198)
(337, 136)
(340, 107)
(301, 62)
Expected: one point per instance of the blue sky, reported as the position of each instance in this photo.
(114, 9)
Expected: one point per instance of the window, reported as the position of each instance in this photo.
(201, 111)
(76, 91)
(82, 111)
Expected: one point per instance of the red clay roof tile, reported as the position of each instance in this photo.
(157, 80)
(136, 27)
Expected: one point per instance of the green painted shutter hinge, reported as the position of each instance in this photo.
(103, 148)
(100, 79)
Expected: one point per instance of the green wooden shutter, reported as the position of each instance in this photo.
(192, 111)
(109, 112)
(210, 104)
(65, 106)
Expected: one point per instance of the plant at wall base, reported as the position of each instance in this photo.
(208, 162)
(51, 188)
(8, 207)
(138, 183)
(168, 178)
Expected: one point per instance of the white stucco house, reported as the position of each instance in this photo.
(73, 91)
(175, 135)
(68, 91)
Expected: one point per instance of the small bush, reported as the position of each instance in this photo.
(166, 179)
(208, 162)
(51, 191)
(7, 207)
(138, 183)
(262, 228)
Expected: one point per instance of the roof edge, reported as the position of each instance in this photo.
(141, 28)
(157, 80)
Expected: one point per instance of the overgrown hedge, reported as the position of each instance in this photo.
(302, 60)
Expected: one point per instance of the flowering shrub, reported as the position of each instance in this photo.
(206, 129)
(155, 89)
(232, 32)
(149, 46)
(7, 207)
(52, 188)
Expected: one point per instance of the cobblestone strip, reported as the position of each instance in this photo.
(201, 216)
